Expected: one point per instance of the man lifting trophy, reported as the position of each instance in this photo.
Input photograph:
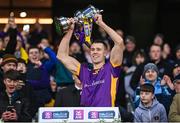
(84, 22)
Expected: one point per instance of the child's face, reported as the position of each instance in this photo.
(146, 97)
(21, 67)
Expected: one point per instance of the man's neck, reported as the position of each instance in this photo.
(98, 66)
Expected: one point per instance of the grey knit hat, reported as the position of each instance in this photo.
(150, 66)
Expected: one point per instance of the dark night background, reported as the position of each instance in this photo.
(140, 18)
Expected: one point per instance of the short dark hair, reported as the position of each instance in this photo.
(33, 47)
(100, 41)
(159, 35)
(11, 74)
(147, 87)
(156, 46)
(20, 60)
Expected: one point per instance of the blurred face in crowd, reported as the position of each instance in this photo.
(151, 75)
(130, 46)
(75, 48)
(45, 42)
(9, 66)
(34, 55)
(120, 32)
(98, 53)
(139, 59)
(177, 86)
(158, 40)
(10, 85)
(166, 49)
(178, 54)
(146, 97)
(176, 71)
(155, 53)
(21, 67)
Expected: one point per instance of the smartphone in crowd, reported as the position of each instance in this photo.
(10, 108)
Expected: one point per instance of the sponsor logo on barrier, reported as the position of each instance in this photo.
(106, 114)
(93, 115)
(60, 115)
(78, 114)
(47, 115)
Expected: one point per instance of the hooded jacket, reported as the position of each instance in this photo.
(155, 113)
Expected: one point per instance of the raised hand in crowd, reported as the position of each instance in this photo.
(167, 81)
(11, 23)
(142, 80)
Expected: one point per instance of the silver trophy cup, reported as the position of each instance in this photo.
(62, 24)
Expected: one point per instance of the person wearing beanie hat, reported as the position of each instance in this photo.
(150, 68)
(9, 62)
(149, 109)
(163, 86)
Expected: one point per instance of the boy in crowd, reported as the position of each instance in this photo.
(149, 109)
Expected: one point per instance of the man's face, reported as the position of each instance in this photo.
(21, 67)
(9, 66)
(178, 54)
(10, 85)
(155, 53)
(177, 86)
(158, 40)
(130, 46)
(146, 97)
(34, 55)
(97, 53)
(75, 48)
(176, 71)
(151, 75)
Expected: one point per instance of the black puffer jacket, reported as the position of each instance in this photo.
(21, 106)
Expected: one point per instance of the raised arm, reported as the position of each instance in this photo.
(63, 52)
(116, 55)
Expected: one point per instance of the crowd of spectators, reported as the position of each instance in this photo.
(31, 76)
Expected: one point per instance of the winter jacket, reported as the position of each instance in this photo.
(174, 113)
(163, 94)
(155, 113)
(21, 104)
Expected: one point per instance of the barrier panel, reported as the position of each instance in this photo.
(79, 114)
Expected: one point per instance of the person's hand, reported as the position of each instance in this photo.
(71, 23)
(42, 45)
(98, 19)
(125, 69)
(13, 115)
(20, 84)
(6, 116)
(37, 63)
(142, 80)
(168, 81)
(77, 81)
(12, 23)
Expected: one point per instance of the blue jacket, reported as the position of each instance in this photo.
(155, 113)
